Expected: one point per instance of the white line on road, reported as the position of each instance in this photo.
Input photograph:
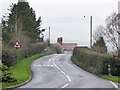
(43, 65)
(61, 72)
(113, 84)
(68, 78)
(64, 85)
(51, 65)
(50, 59)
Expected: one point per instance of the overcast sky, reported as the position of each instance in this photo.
(66, 17)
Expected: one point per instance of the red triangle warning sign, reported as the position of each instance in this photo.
(17, 45)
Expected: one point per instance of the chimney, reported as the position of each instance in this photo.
(119, 7)
(60, 40)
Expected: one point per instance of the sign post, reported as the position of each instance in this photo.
(17, 46)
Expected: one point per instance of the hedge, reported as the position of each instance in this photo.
(11, 56)
(94, 62)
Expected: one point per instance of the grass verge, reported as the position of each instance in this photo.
(110, 77)
(22, 71)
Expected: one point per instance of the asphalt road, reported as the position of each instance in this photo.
(58, 71)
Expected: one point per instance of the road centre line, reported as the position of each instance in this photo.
(61, 72)
(68, 78)
(65, 85)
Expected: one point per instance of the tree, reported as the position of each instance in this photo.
(100, 46)
(113, 32)
(20, 24)
(21, 20)
(99, 43)
(98, 33)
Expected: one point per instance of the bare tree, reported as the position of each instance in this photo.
(112, 32)
(98, 33)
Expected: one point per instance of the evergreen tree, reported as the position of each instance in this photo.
(20, 25)
(21, 20)
(100, 46)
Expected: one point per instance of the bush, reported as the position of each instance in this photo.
(6, 75)
(8, 57)
(94, 62)
(11, 56)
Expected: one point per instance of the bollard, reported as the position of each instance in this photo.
(109, 69)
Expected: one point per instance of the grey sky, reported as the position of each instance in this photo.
(66, 17)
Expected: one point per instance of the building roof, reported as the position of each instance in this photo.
(69, 46)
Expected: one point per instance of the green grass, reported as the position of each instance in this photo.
(22, 71)
(111, 78)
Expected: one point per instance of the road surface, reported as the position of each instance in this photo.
(58, 71)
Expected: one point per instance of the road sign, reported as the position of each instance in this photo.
(17, 45)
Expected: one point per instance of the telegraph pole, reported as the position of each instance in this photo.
(49, 34)
(90, 31)
(49, 38)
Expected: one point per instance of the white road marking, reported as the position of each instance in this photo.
(113, 84)
(51, 65)
(68, 78)
(43, 65)
(50, 60)
(64, 85)
(62, 72)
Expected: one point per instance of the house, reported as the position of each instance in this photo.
(67, 47)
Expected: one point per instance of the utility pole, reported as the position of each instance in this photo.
(49, 38)
(90, 31)
(49, 34)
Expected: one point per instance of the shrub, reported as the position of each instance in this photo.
(6, 74)
(11, 56)
(7, 77)
(94, 62)
(8, 57)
